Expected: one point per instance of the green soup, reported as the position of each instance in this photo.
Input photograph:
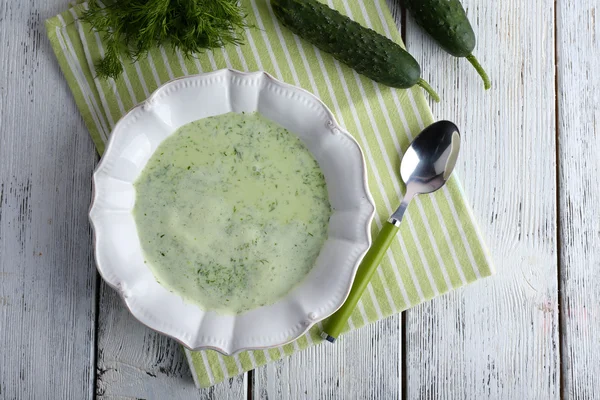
(231, 212)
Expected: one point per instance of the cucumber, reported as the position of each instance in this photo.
(447, 23)
(363, 49)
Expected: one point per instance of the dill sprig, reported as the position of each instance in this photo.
(131, 28)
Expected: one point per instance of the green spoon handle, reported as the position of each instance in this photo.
(335, 323)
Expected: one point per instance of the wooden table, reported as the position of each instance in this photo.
(531, 155)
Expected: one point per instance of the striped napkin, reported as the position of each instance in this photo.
(438, 248)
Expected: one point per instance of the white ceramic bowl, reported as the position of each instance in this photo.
(117, 246)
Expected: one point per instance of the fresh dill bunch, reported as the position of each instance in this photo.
(130, 28)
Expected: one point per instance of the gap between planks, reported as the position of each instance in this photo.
(94, 352)
(557, 216)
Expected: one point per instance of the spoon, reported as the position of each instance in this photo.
(426, 166)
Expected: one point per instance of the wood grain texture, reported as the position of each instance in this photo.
(47, 276)
(497, 338)
(363, 364)
(578, 49)
(136, 362)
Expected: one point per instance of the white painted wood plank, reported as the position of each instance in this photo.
(497, 338)
(365, 364)
(136, 362)
(47, 277)
(578, 47)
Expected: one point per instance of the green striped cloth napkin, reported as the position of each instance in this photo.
(438, 248)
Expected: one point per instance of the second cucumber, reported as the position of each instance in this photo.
(363, 49)
(446, 21)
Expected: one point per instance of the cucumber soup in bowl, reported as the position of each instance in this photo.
(231, 211)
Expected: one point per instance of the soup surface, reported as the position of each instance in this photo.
(231, 212)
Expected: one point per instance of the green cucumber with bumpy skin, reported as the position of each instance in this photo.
(363, 49)
(447, 23)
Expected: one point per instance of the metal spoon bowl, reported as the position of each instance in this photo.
(425, 168)
(428, 162)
